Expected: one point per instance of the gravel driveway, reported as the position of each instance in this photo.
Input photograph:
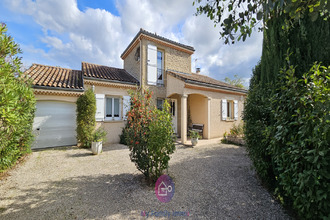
(213, 181)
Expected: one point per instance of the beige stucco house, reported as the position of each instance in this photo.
(151, 62)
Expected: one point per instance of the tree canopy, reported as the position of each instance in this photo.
(237, 19)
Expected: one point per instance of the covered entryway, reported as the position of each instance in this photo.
(54, 124)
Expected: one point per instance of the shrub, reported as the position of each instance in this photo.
(99, 135)
(17, 104)
(86, 109)
(301, 138)
(149, 135)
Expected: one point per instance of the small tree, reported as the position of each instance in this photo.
(86, 109)
(237, 81)
(149, 135)
(17, 103)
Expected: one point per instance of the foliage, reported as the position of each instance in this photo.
(99, 135)
(149, 135)
(237, 81)
(86, 109)
(238, 18)
(258, 117)
(237, 130)
(17, 103)
(300, 140)
(194, 134)
(123, 135)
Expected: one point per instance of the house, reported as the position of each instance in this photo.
(151, 62)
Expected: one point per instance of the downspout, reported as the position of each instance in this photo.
(141, 60)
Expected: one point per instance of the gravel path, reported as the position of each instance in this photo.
(211, 182)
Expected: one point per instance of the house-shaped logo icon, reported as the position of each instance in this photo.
(163, 189)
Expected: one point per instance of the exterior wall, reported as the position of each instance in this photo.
(217, 125)
(113, 128)
(131, 65)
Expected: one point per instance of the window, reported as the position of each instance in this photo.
(160, 103)
(230, 108)
(160, 67)
(112, 108)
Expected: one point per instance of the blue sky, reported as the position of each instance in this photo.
(66, 32)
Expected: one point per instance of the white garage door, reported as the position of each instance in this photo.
(54, 124)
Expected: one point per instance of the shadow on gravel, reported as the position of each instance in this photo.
(216, 184)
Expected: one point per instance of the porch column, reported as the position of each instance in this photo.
(184, 119)
(208, 135)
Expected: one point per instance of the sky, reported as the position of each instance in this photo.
(66, 32)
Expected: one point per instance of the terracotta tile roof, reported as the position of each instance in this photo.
(204, 81)
(107, 73)
(147, 33)
(55, 77)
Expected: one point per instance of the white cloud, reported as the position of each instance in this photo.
(96, 35)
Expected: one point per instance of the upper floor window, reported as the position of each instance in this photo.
(155, 65)
(160, 67)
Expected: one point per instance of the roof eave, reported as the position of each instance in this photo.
(215, 86)
(111, 81)
(57, 88)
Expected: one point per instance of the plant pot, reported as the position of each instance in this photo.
(194, 141)
(97, 147)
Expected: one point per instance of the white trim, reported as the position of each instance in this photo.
(112, 118)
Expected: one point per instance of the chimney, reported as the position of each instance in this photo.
(198, 70)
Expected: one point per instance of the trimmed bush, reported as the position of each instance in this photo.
(86, 109)
(149, 135)
(17, 104)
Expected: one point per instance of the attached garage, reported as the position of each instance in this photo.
(56, 90)
(54, 124)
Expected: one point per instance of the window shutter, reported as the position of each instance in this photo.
(235, 109)
(99, 116)
(126, 106)
(224, 109)
(152, 65)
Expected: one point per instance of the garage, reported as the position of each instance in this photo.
(54, 124)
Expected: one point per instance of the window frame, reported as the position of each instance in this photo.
(161, 82)
(230, 110)
(162, 100)
(113, 118)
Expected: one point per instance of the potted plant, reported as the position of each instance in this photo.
(194, 137)
(97, 138)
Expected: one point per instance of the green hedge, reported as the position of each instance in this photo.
(300, 140)
(17, 104)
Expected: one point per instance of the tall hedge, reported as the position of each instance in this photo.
(287, 115)
(17, 104)
(86, 109)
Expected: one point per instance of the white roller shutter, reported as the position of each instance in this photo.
(100, 99)
(224, 109)
(235, 109)
(126, 106)
(54, 124)
(152, 65)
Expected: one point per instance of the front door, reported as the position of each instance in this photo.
(174, 113)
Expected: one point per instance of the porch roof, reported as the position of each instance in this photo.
(203, 80)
